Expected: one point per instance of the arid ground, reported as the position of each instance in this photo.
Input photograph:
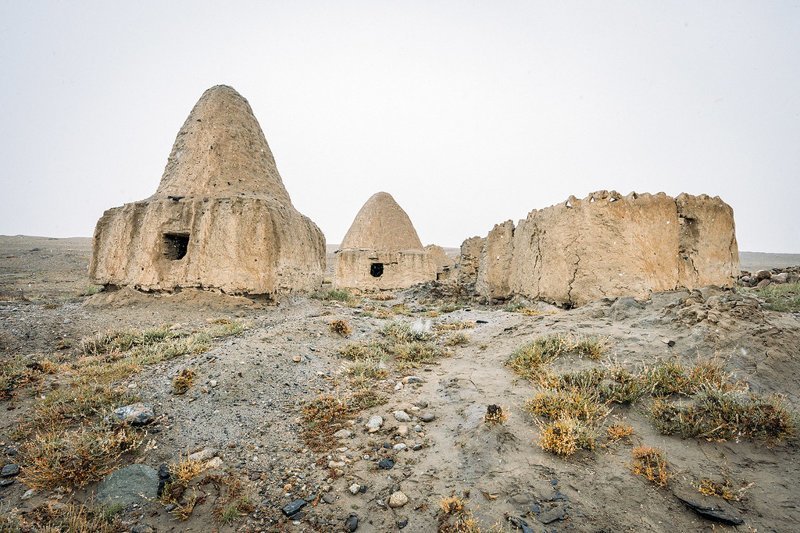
(678, 413)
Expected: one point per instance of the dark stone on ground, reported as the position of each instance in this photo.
(135, 414)
(559, 512)
(292, 508)
(6, 481)
(403, 522)
(351, 524)
(9, 470)
(519, 523)
(386, 464)
(128, 485)
(713, 509)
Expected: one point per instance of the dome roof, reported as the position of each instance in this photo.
(220, 151)
(381, 224)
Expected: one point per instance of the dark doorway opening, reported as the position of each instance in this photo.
(175, 245)
(376, 270)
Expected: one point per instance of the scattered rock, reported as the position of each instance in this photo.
(397, 499)
(386, 464)
(427, 416)
(354, 488)
(297, 358)
(763, 283)
(519, 523)
(135, 414)
(783, 277)
(374, 423)
(214, 463)
(713, 509)
(343, 434)
(142, 528)
(28, 494)
(291, 509)
(402, 416)
(763, 274)
(203, 455)
(559, 512)
(351, 524)
(9, 470)
(413, 379)
(402, 523)
(6, 481)
(399, 447)
(128, 485)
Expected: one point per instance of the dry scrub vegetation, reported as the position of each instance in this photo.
(574, 405)
(69, 438)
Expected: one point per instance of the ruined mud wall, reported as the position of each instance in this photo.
(607, 245)
(238, 245)
(355, 269)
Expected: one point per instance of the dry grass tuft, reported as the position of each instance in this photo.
(724, 490)
(361, 351)
(651, 464)
(617, 432)
(71, 518)
(382, 296)
(74, 458)
(414, 354)
(453, 326)
(19, 371)
(326, 414)
(335, 295)
(365, 372)
(566, 436)
(573, 404)
(340, 327)
(183, 381)
(451, 505)
(721, 415)
(457, 339)
(185, 469)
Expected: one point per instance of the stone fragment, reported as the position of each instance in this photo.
(374, 423)
(131, 484)
(351, 524)
(136, 414)
(402, 416)
(292, 508)
(397, 499)
(9, 470)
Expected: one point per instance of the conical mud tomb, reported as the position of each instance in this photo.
(221, 217)
(382, 250)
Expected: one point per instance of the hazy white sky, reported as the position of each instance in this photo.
(469, 113)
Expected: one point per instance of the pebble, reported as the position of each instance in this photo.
(354, 488)
(6, 481)
(397, 499)
(427, 417)
(413, 379)
(374, 423)
(399, 447)
(136, 414)
(9, 470)
(386, 464)
(402, 523)
(398, 386)
(291, 509)
(212, 383)
(28, 494)
(402, 430)
(328, 498)
(297, 358)
(343, 434)
(402, 416)
(335, 464)
(351, 524)
(203, 455)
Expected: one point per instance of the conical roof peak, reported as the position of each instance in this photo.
(221, 151)
(381, 224)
